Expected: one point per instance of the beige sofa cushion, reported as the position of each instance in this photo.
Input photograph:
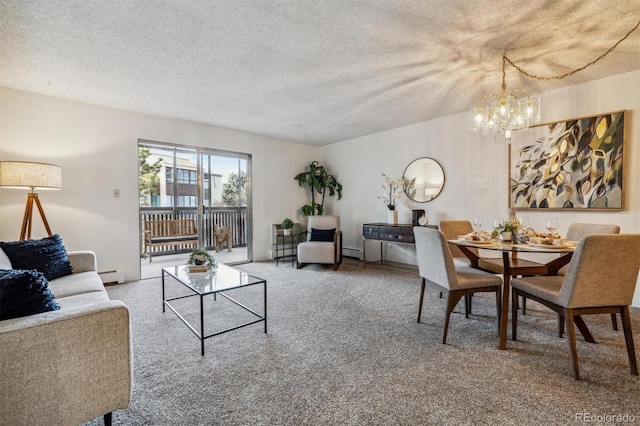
(5, 263)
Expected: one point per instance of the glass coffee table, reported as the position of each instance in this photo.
(214, 282)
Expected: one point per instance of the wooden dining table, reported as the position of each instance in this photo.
(510, 265)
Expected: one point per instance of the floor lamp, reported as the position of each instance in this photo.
(22, 174)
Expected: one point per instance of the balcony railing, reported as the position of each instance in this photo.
(220, 216)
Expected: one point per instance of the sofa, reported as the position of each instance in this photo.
(70, 365)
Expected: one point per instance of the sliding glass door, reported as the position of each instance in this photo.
(225, 200)
(212, 188)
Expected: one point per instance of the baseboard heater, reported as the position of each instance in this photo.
(114, 276)
(351, 252)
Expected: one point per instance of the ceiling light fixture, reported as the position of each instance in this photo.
(518, 110)
(505, 113)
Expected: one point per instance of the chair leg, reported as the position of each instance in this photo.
(614, 322)
(560, 325)
(452, 300)
(499, 306)
(514, 314)
(421, 298)
(107, 419)
(524, 305)
(571, 331)
(628, 337)
(467, 306)
(298, 265)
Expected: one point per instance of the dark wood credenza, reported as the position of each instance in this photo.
(387, 233)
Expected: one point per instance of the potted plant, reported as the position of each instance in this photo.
(199, 257)
(505, 231)
(318, 181)
(287, 225)
(392, 191)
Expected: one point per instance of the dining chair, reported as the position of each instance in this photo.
(436, 266)
(601, 279)
(454, 228)
(324, 242)
(576, 232)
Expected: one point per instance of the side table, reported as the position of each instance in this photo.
(284, 242)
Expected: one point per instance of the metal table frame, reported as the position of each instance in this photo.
(293, 246)
(200, 334)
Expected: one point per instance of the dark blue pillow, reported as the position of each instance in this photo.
(322, 234)
(24, 292)
(47, 255)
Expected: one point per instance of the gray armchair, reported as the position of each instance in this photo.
(436, 266)
(601, 279)
(324, 242)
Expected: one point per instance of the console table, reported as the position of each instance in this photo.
(384, 232)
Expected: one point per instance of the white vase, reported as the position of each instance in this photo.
(392, 217)
(505, 236)
(287, 231)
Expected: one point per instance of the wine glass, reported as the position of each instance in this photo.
(523, 221)
(477, 223)
(552, 225)
(497, 223)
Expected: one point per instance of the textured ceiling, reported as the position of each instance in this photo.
(309, 71)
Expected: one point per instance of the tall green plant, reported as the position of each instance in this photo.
(319, 182)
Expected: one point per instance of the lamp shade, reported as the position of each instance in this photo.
(24, 174)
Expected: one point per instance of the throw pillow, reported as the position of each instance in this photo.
(47, 255)
(322, 234)
(24, 292)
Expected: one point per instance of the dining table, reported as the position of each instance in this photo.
(509, 265)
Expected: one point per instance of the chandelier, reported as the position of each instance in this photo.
(504, 114)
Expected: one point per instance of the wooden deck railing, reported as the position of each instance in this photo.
(221, 216)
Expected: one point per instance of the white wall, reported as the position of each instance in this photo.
(476, 178)
(97, 150)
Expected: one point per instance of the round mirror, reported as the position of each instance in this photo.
(429, 178)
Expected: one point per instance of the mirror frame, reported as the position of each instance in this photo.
(411, 177)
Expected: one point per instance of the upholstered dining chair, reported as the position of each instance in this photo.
(436, 266)
(576, 232)
(601, 279)
(452, 229)
(324, 242)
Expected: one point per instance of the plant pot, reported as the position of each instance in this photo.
(505, 236)
(287, 231)
(392, 217)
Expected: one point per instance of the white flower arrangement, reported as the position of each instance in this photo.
(392, 190)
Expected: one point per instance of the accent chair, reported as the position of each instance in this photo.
(324, 242)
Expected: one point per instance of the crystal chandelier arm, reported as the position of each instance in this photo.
(559, 77)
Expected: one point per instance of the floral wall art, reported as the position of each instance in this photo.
(574, 164)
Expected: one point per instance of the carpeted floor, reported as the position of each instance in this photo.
(343, 347)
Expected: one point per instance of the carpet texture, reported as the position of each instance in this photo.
(343, 347)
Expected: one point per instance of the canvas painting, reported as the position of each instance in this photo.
(574, 164)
